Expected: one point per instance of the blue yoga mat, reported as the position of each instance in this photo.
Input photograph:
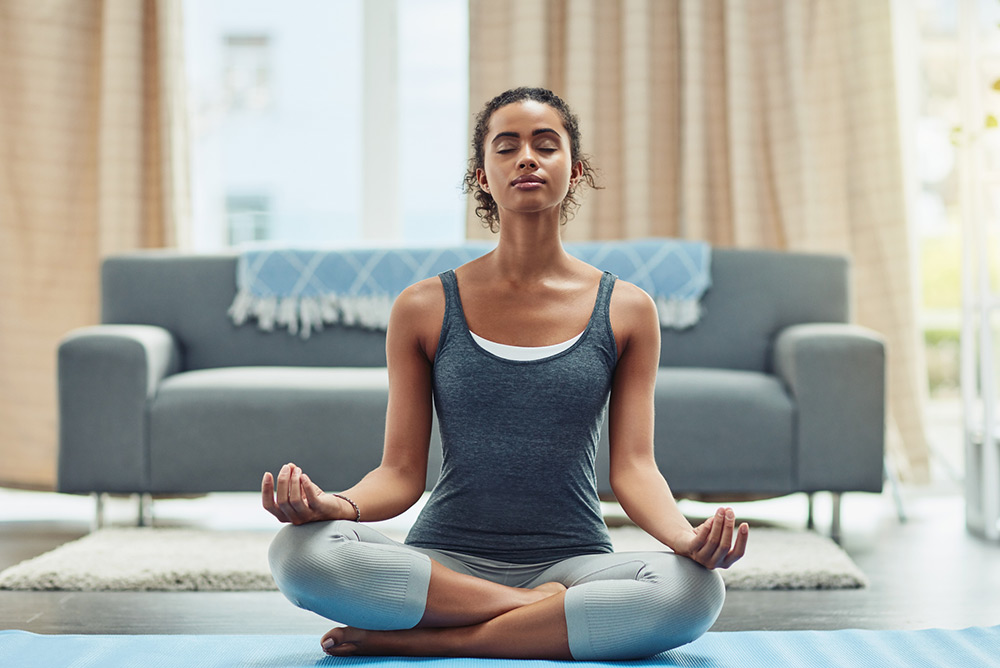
(968, 648)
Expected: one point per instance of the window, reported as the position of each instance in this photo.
(248, 218)
(933, 59)
(247, 71)
(277, 105)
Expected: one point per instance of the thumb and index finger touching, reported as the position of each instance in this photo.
(713, 546)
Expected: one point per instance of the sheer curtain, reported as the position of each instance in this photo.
(748, 123)
(92, 162)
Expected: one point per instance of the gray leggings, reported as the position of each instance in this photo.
(618, 606)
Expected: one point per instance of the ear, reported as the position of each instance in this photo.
(576, 173)
(481, 178)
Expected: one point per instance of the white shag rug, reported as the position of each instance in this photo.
(134, 559)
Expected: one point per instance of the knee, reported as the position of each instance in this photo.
(704, 596)
(330, 569)
(294, 554)
(280, 555)
(671, 602)
(690, 600)
(682, 601)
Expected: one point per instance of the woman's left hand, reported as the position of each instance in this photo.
(711, 543)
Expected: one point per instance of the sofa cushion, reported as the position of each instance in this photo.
(755, 295)
(724, 431)
(189, 294)
(220, 429)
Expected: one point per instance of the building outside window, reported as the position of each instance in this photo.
(247, 74)
(276, 105)
(248, 218)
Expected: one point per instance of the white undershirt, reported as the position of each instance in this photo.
(523, 353)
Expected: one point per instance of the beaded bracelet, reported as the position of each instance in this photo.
(353, 505)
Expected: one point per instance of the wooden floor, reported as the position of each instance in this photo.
(928, 572)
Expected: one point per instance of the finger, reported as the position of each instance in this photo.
(740, 548)
(726, 540)
(707, 552)
(267, 494)
(311, 492)
(295, 498)
(701, 533)
(281, 486)
(283, 492)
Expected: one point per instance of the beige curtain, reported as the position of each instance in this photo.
(92, 162)
(749, 123)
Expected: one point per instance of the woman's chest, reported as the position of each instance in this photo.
(539, 319)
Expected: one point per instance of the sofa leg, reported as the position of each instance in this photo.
(98, 520)
(145, 505)
(889, 473)
(810, 523)
(835, 519)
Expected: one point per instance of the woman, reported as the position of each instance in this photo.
(520, 350)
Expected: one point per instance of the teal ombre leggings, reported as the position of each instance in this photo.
(618, 606)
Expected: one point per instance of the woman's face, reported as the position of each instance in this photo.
(527, 163)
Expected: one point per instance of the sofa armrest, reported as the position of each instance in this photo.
(836, 373)
(106, 375)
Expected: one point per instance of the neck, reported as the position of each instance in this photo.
(529, 248)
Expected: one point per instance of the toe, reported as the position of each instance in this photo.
(337, 643)
(331, 639)
(344, 649)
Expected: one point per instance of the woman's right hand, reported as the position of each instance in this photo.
(297, 499)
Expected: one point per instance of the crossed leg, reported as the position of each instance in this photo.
(397, 600)
(468, 616)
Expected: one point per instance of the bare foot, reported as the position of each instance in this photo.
(349, 641)
(343, 641)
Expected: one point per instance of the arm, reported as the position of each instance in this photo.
(398, 482)
(636, 481)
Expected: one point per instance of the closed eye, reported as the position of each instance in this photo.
(511, 150)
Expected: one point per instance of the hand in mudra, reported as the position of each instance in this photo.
(297, 499)
(711, 543)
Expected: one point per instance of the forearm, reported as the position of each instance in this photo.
(384, 493)
(646, 498)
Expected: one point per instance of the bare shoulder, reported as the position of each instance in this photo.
(421, 296)
(633, 314)
(418, 312)
(630, 303)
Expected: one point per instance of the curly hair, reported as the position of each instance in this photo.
(486, 207)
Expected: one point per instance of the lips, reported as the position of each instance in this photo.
(527, 178)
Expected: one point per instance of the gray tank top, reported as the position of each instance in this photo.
(518, 480)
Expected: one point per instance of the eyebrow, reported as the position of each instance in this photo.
(517, 136)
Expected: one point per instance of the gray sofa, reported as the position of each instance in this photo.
(772, 392)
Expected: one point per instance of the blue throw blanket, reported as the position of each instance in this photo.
(302, 289)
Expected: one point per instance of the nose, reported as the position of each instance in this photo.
(527, 159)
